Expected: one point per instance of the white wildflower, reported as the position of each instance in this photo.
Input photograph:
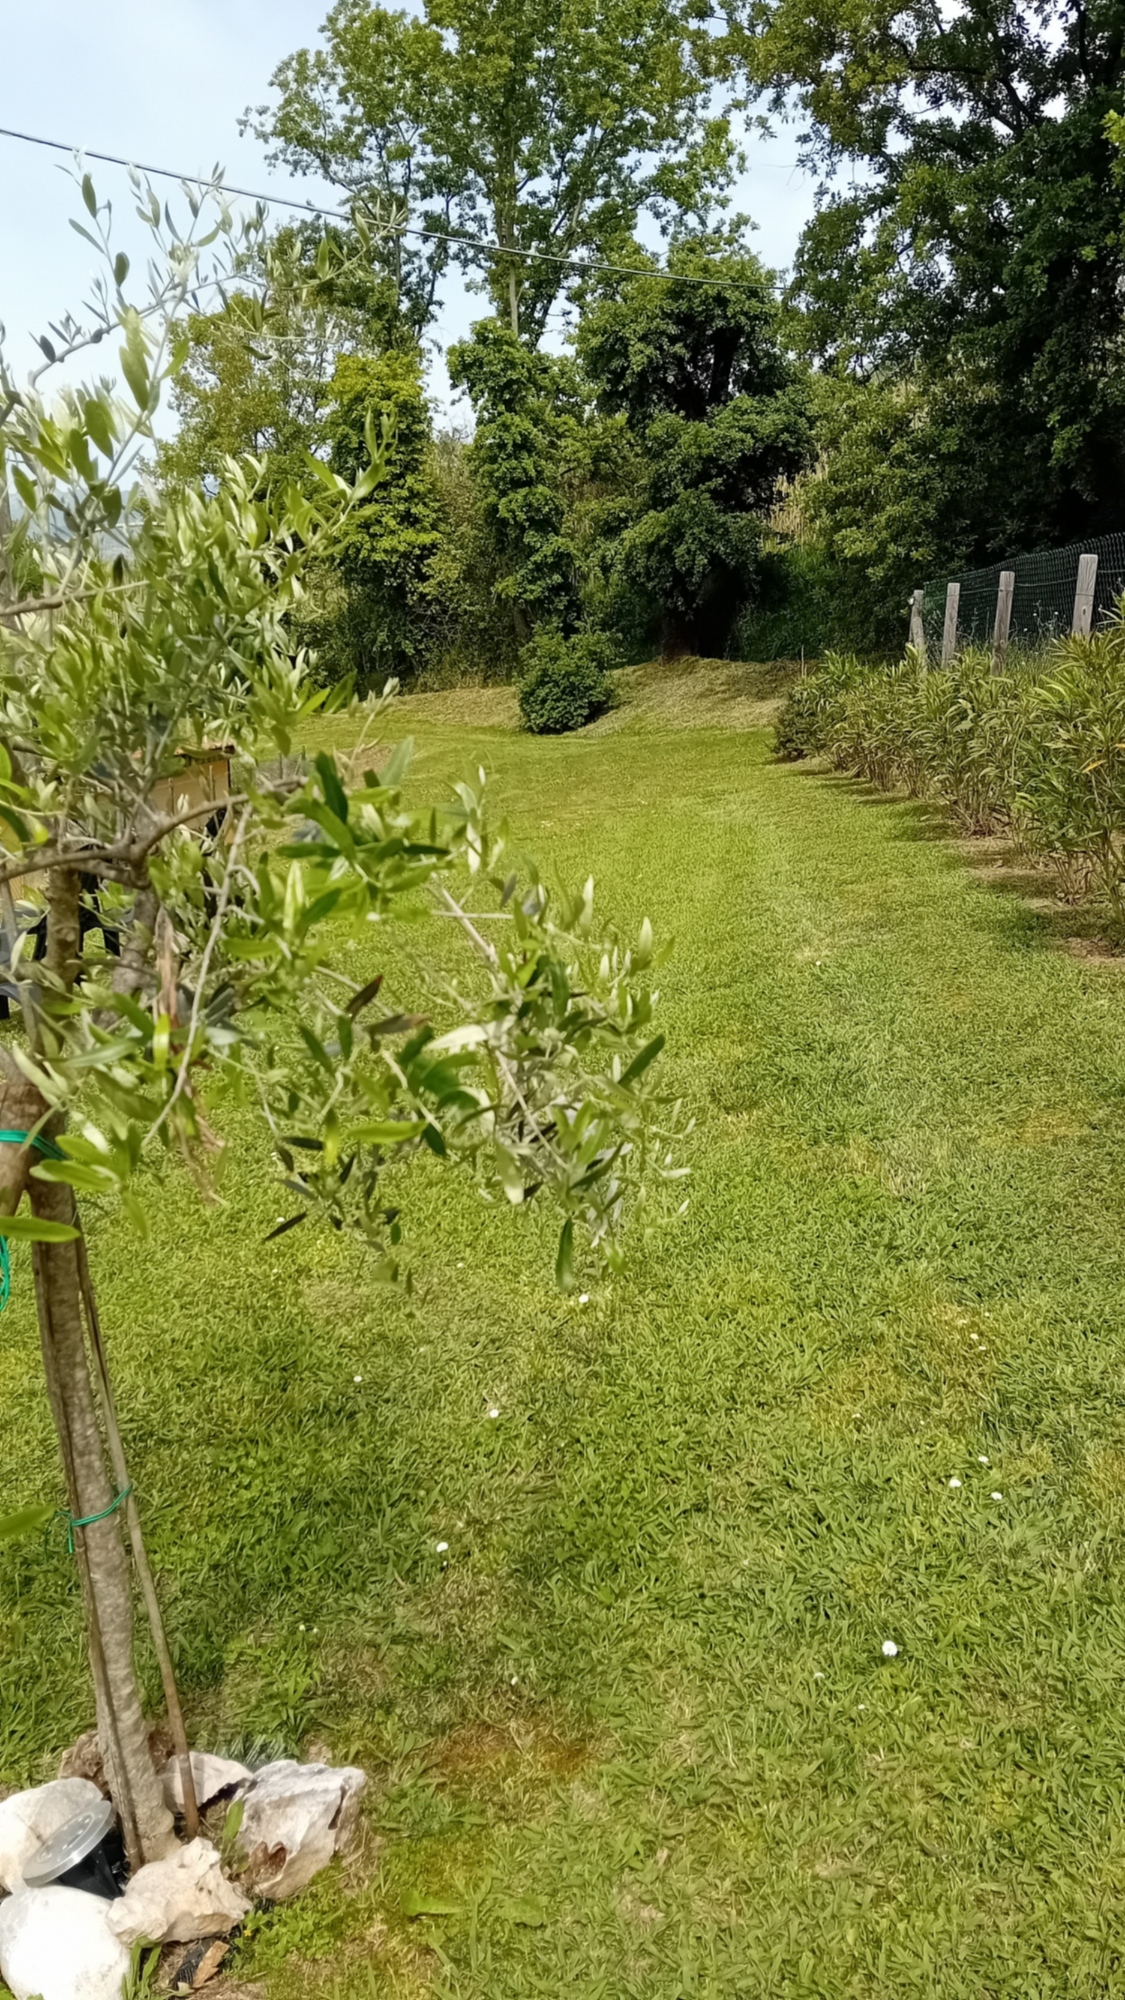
(955, 1483)
(441, 1548)
(889, 1649)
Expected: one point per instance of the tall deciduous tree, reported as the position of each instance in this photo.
(247, 386)
(898, 495)
(978, 235)
(720, 412)
(386, 555)
(544, 125)
(517, 463)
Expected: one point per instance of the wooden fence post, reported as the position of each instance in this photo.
(1084, 596)
(1003, 618)
(949, 634)
(917, 626)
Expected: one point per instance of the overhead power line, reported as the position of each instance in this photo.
(473, 243)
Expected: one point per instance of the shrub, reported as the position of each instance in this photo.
(952, 733)
(873, 727)
(1038, 749)
(1070, 791)
(971, 730)
(565, 683)
(813, 707)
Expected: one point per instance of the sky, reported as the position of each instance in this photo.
(164, 82)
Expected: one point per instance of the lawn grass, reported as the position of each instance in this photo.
(635, 1727)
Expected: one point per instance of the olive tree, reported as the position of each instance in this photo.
(160, 622)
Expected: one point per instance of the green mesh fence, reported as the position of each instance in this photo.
(1043, 599)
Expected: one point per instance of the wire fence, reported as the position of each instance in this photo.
(1042, 602)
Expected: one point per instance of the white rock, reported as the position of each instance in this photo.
(212, 1775)
(56, 1944)
(27, 1819)
(178, 1899)
(297, 1816)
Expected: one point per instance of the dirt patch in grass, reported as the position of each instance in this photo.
(483, 1754)
(1081, 930)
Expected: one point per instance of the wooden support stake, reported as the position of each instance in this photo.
(1084, 596)
(949, 634)
(1003, 618)
(917, 627)
(136, 1538)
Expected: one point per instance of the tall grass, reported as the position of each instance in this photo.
(1037, 751)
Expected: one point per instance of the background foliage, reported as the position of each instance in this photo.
(734, 464)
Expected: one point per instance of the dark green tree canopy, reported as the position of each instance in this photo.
(654, 348)
(386, 557)
(539, 124)
(720, 413)
(517, 457)
(981, 229)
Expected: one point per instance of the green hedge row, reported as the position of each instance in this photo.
(1037, 751)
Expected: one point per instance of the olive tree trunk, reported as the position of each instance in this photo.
(91, 1491)
(100, 1547)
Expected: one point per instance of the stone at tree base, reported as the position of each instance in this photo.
(177, 1899)
(84, 1760)
(56, 1944)
(296, 1817)
(29, 1818)
(213, 1776)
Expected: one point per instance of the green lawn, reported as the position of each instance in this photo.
(643, 1696)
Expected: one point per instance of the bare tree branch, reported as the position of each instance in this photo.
(201, 980)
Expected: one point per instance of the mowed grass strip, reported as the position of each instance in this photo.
(634, 1727)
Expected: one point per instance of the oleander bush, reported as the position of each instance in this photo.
(1070, 795)
(814, 706)
(1037, 751)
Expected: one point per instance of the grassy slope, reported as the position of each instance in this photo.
(646, 1684)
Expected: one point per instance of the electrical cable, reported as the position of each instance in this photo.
(576, 264)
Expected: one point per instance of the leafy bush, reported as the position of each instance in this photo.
(565, 682)
(813, 708)
(1070, 790)
(1038, 750)
(971, 735)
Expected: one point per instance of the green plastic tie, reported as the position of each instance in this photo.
(74, 1521)
(51, 1152)
(36, 1139)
